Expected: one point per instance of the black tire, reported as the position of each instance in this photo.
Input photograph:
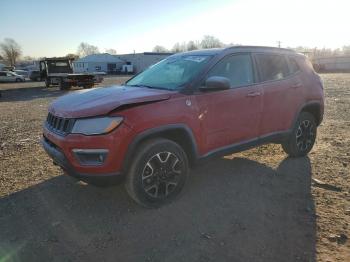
(88, 86)
(158, 173)
(64, 86)
(303, 136)
(18, 80)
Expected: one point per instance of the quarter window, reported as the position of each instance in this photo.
(237, 68)
(272, 67)
(294, 67)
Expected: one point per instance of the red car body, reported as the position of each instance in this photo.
(203, 123)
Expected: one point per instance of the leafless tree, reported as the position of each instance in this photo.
(10, 50)
(209, 41)
(28, 58)
(192, 45)
(85, 49)
(160, 49)
(179, 47)
(72, 56)
(346, 50)
(111, 51)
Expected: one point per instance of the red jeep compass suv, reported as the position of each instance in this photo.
(187, 107)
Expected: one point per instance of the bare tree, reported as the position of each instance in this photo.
(192, 45)
(160, 49)
(28, 58)
(72, 56)
(11, 51)
(209, 41)
(179, 47)
(346, 50)
(176, 48)
(85, 49)
(111, 51)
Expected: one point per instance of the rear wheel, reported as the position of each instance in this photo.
(88, 86)
(64, 85)
(303, 136)
(158, 173)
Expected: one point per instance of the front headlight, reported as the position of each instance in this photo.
(96, 126)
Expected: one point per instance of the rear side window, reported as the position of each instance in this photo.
(272, 67)
(237, 68)
(294, 67)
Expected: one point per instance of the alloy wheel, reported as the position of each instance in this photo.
(305, 135)
(161, 174)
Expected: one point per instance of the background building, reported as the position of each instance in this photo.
(113, 64)
(141, 61)
(98, 63)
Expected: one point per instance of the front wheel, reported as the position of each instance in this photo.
(303, 136)
(158, 173)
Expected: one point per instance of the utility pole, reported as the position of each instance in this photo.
(279, 44)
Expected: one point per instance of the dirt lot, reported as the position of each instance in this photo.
(253, 206)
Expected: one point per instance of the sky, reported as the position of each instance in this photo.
(56, 28)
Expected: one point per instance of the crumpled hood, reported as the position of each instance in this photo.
(101, 101)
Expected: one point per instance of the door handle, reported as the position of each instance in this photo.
(253, 94)
(297, 85)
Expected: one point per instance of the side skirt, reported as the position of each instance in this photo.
(276, 137)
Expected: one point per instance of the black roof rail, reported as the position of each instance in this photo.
(267, 48)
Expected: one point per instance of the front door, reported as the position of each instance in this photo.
(231, 116)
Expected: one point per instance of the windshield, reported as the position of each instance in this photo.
(170, 73)
(59, 67)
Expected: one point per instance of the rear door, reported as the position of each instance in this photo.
(231, 116)
(280, 90)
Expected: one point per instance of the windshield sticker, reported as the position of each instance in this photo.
(197, 59)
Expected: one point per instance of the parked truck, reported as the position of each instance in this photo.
(59, 71)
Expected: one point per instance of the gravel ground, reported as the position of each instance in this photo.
(257, 205)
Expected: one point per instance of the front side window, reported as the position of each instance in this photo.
(272, 67)
(171, 73)
(236, 68)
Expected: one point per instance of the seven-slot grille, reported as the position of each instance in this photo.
(59, 125)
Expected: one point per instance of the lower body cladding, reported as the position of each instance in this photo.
(98, 162)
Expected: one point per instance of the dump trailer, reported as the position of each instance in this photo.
(59, 72)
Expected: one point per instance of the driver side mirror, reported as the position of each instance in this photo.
(216, 83)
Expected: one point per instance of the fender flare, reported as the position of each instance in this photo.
(302, 107)
(161, 132)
